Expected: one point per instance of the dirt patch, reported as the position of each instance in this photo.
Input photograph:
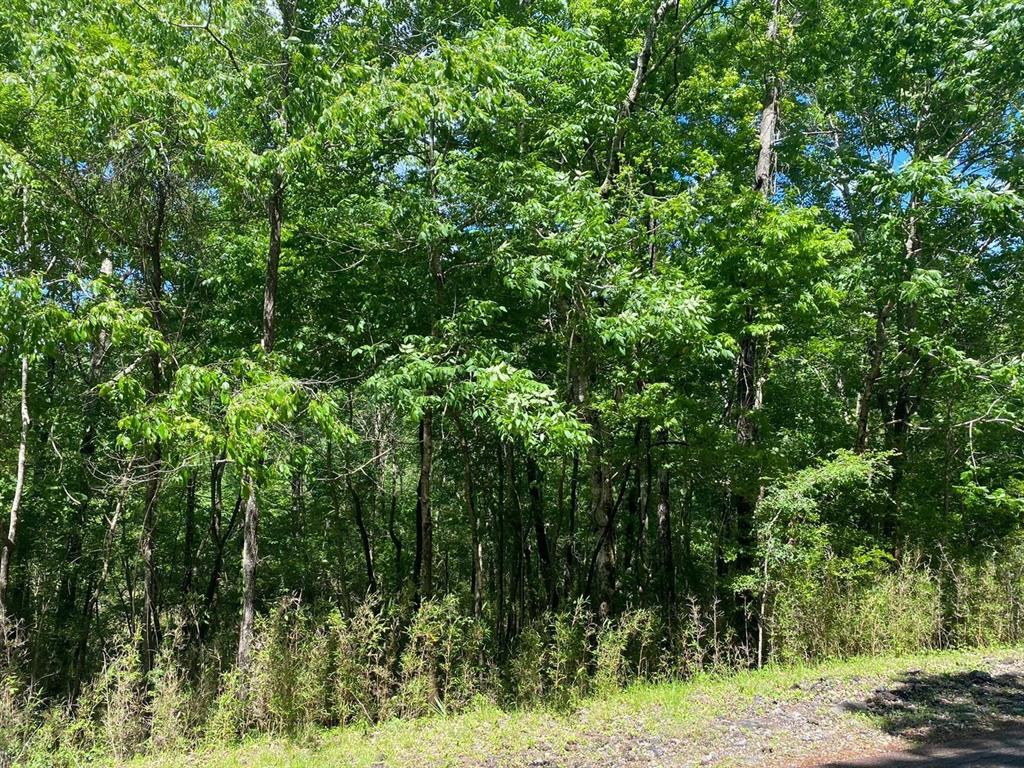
(816, 721)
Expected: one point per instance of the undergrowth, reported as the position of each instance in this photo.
(312, 669)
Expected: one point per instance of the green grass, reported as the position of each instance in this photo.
(676, 709)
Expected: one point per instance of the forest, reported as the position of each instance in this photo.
(362, 358)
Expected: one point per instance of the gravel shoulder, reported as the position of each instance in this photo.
(999, 748)
(843, 711)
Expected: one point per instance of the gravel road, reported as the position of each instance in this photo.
(999, 749)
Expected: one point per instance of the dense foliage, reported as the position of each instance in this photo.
(484, 345)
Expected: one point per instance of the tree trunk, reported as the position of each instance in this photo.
(569, 569)
(522, 589)
(425, 517)
(668, 565)
(474, 522)
(640, 72)
(871, 376)
(642, 69)
(152, 253)
(396, 541)
(19, 487)
(910, 363)
(426, 520)
(364, 536)
(877, 347)
(745, 495)
(250, 524)
(92, 604)
(547, 568)
(500, 576)
(219, 535)
(637, 507)
(603, 512)
(339, 528)
(67, 589)
(764, 172)
(306, 584)
(151, 620)
(275, 214)
(687, 522)
(190, 538)
(250, 558)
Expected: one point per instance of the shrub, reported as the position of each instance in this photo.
(526, 666)
(984, 602)
(111, 716)
(18, 712)
(860, 606)
(227, 720)
(170, 703)
(626, 649)
(366, 649)
(567, 659)
(705, 641)
(443, 664)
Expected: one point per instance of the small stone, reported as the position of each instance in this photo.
(852, 706)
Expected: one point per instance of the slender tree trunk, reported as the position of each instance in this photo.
(250, 523)
(275, 219)
(92, 604)
(631, 526)
(339, 527)
(764, 173)
(600, 573)
(522, 591)
(910, 366)
(641, 69)
(7, 545)
(19, 487)
(688, 536)
(188, 579)
(646, 490)
(500, 576)
(603, 512)
(748, 376)
(900, 435)
(426, 519)
(569, 573)
(364, 536)
(275, 215)
(396, 541)
(417, 563)
(250, 558)
(307, 584)
(668, 564)
(219, 534)
(748, 402)
(151, 620)
(67, 590)
(876, 350)
(637, 507)
(152, 252)
(547, 567)
(469, 494)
